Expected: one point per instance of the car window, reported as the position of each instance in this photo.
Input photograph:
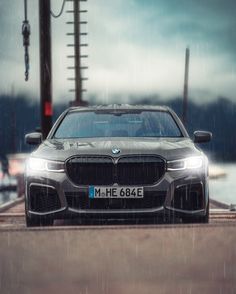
(125, 124)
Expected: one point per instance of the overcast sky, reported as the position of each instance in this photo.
(136, 47)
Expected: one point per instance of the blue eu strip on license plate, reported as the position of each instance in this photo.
(115, 192)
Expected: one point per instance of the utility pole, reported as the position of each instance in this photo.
(78, 81)
(45, 66)
(185, 95)
(77, 34)
(13, 121)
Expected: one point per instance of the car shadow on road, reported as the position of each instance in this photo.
(108, 222)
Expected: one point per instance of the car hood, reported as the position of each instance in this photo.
(168, 148)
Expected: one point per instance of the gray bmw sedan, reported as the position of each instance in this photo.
(117, 162)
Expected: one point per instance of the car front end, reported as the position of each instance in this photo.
(117, 178)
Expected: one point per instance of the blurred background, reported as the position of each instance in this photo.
(136, 54)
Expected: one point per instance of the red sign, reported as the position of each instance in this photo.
(48, 109)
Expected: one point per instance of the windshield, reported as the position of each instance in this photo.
(90, 124)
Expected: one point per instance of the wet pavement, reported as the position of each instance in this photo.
(137, 259)
(167, 258)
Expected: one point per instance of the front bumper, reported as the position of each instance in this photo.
(183, 193)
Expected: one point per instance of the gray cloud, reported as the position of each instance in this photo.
(135, 47)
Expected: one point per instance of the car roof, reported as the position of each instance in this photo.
(114, 107)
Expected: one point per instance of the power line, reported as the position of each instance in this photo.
(25, 6)
(61, 11)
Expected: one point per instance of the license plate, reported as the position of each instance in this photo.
(115, 192)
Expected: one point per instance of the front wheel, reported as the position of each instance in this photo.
(38, 221)
(197, 219)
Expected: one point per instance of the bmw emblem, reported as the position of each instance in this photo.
(115, 151)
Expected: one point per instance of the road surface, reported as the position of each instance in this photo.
(116, 259)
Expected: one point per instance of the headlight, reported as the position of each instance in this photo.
(186, 163)
(38, 164)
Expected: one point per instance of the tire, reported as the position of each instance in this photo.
(38, 221)
(197, 219)
(205, 218)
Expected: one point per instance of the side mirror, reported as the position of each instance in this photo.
(202, 137)
(33, 138)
